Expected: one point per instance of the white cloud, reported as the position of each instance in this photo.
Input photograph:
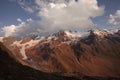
(19, 20)
(114, 19)
(25, 5)
(8, 30)
(21, 30)
(30, 19)
(28, 9)
(59, 15)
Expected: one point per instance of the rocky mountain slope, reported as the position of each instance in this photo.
(94, 53)
(13, 70)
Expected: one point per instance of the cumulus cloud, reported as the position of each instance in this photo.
(21, 30)
(58, 15)
(72, 15)
(9, 30)
(115, 18)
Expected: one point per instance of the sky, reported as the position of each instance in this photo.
(24, 17)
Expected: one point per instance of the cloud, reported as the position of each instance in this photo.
(19, 20)
(114, 19)
(26, 5)
(70, 15)
(58, 15)
(21, 30)
(30, 19)
(8, 30)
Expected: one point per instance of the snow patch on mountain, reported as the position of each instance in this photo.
(73, 34)
(22, 51)
(24, 46)
(105, 32)
(76, 34)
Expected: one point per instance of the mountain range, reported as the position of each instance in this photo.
(92, 55)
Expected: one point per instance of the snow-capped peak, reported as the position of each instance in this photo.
(105, 32)
(73, 34)
(76, 34)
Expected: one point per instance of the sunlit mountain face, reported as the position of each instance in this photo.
(60, 40)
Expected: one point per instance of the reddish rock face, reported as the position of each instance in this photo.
(93, 55)
(12, 70)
